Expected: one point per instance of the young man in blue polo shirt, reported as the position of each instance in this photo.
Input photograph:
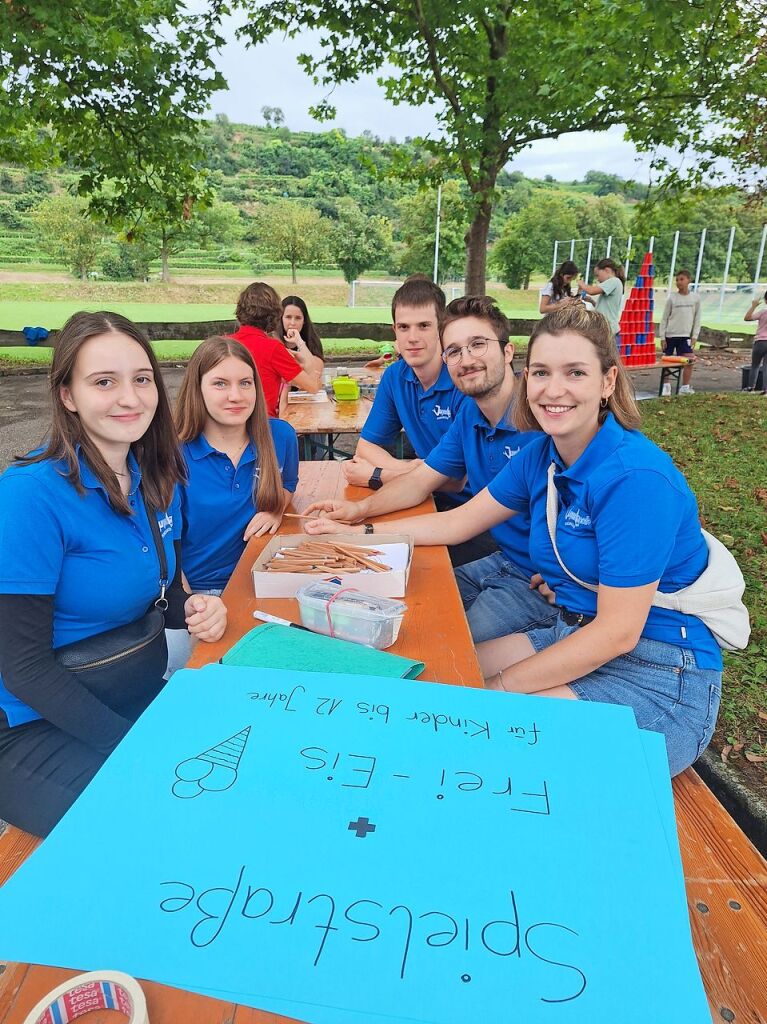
(416, 393)
(497, 592)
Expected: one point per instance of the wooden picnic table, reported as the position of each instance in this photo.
(668, 372)
(725, 876)
(331, 419)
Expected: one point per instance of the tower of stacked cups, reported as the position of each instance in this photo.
(637, 333)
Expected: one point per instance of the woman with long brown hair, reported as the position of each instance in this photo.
(242, 466)
(612, 522)
(86, 522)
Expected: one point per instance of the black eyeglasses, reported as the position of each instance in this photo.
(475, 347)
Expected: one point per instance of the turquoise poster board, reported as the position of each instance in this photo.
(344, 848)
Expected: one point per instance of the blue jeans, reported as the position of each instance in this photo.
(663, 686)
(498, 600)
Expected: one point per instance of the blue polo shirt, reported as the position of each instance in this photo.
(100, 566)
(401, 403)
(217, 504)
(626, 517)
(475, 449)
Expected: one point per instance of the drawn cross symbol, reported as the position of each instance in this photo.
(361, 827)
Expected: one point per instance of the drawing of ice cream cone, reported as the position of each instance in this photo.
(214, 770)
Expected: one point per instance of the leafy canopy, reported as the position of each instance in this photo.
(113, 89)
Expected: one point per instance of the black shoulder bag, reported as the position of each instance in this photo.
(124, 667)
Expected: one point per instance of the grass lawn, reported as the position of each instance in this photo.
(718, 443)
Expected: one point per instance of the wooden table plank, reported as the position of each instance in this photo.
(725, 876)
(328, 417)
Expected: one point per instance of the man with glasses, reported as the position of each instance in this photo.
(500, 591)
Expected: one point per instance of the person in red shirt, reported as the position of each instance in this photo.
(259, 311)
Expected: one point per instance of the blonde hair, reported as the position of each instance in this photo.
(595, 328)
(192, 414)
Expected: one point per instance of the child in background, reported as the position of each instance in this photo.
(680, 326)
(558, 291)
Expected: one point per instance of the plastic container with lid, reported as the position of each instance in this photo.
(361, 618)
(346, 389)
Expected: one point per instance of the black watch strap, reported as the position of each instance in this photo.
(368, 527)
(375, 482)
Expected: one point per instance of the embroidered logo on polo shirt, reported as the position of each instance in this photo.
(165, 524)
(574, 517)
(442, 413)
(510, 452)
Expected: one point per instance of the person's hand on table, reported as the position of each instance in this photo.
(345, 511)
(322, 525)
(538, 583)
(261, 523)
(205, 617)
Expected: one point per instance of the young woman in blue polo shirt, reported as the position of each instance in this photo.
(626, 522)
(78, 558)
(242, 466)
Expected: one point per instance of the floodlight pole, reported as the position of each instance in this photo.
(609, 247)
(652, 243)
(673, 262)
(588, 260)
(436, 233)
(700, 258)
(726, 267)
(572, 248)
(759, 260)
(628, 256)
(554, 261)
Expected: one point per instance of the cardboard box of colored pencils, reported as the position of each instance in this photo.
(378, 564)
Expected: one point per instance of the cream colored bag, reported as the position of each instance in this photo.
(716, 597)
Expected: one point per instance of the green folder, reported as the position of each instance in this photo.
(273, 646)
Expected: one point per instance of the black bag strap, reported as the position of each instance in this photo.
(162, 601)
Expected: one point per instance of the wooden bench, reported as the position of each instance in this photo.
(725, 876)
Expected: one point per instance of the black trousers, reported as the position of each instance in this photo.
(42, 772)
(469, 550)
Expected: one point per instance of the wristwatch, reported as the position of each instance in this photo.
(375, 482)
(368, 527)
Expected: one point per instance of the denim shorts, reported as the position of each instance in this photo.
(497, 599)
(661, 683)
(180, 642)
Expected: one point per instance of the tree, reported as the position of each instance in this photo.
(418, 215)
(502, 74)
(358, 242)
(115, 90)
(165, 232)
(526, 240)
(129, 261)
(602, 217)
(273, 116)
(716, 210)
(66, 232)
(293, 232)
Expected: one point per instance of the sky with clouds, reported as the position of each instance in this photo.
(269, 75)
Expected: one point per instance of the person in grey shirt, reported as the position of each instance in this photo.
(680, 325)
(608, 292)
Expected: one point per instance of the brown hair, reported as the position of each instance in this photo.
(259, 306)
(616, 268)
(308, 331)
(482, 307)
(191, 416)
(684, 273)
(418, 290)
(595, 328)
(156, 453)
